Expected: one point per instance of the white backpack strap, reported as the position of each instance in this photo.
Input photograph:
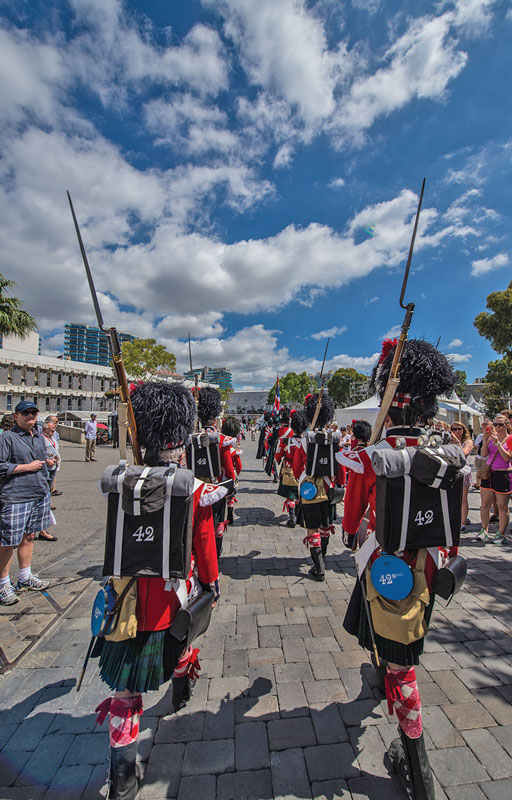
(166, 537)
(446, 517)
(118, 544)
(137, 490)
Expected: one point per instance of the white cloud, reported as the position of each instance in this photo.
(483, 265)
(455, 343)
(371, 300)
(458, 358)
(392, 333)
(330, 333)
(336, 183)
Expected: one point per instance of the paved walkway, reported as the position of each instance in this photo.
(287, 705)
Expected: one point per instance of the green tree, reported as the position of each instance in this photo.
(13, 320)
(460, 380)
(143, 358)
(293, 388)
(497, 325)
(498, 386)
(339, 385)
(225, 395)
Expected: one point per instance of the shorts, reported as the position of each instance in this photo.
(18, 519)
(499, 481)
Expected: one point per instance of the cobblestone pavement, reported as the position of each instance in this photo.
(286, 706)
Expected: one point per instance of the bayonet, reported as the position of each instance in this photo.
(115, 346)
(321, 392)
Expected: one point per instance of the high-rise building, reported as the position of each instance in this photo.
(221, 376)
(89, 344)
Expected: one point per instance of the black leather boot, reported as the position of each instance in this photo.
(230, 515)
(291, 518)
(381, 672)
(410, 760)
(317, 571)
(218, 545)
(181, 692)
(325, 543)
(123, 778)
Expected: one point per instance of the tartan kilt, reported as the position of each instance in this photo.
(290, 492)
(141, 664)
(356, 623)
(316, 515)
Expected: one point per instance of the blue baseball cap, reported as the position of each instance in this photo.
(25, 405)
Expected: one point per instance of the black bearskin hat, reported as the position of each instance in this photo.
(267, 416)
(285, 415)
(424, 373)
(326, 409)
(209, 405)
(298, 423)
(165, 414)
(231, 426)
(362, 430)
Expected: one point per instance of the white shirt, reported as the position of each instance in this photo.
(90, 429)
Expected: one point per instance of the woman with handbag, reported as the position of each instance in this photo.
(495, 479)
(461, 436)
(156, 652)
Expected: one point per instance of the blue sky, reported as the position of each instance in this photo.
(249, 172)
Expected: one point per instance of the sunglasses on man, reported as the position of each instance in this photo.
(31, 412)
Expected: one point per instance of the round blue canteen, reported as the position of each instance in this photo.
(308, 490)
(392, 577)
(101, 614)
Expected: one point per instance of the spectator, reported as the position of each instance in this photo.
(25, 499)
(52, 453)
(462, 437)
(7, 423)
(91, 430)
(497, 486)
(56, 436)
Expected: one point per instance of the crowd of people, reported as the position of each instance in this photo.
(404, 497)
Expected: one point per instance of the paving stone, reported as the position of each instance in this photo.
(328, 724)
(455, 766)
(230, 688)
(322, 644)
(162, 775)
(259, 708)
(477, 677)
(320, 626)
(88, 748)
(293, 671)
(347, 659)
(466, 716)
(289, 774)
(436, 661)
(198, 786)
(180, 727)
(269, 637)
(484, 647)
(355, 684)
(370, 749)
(431, 694)
(251, 746)
(11, 764)
(292, 700)
(219, 721)
(360, 713)
(261, 679)
(265, 655)
(294, 650)
(204, 758)
(503, 735)
(286, 733)
(45, 760)
(440, 729)
(235, 663)
(23, 793)
(498, 790)
(453, 688)
(325, 691)
(323, 666)
(485, 747)
(244, 786)
(294, 631)
(68, 782)
(331, 761)
(496, 704)
(330, 790)
(375, 787)
(469, 791)
(241, 641)
(29, 733)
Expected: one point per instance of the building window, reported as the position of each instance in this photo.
(80, 382)
(59, 380)
(70, 381)
(36, 376)
(49, 378)
(58, 402)
(70, 404)
(35, 400)
(22, 398)
(8, 402)
(23, 376)
(47, 403)
(79, 403)
(9, 373)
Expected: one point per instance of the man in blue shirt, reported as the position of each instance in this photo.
(25, 506)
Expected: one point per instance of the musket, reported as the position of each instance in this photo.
(321, 392)
(196, 381)
(394, 380)
(115, 347)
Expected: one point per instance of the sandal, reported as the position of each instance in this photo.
(48, 538)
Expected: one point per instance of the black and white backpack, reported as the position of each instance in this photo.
(203, 455)
(321, 448)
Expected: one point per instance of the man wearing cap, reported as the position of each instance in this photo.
(25, 497)
(91, 430)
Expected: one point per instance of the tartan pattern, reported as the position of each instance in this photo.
(19, 519)
(401, 400)
(403, 695)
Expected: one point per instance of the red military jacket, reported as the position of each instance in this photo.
(360, 495)
(157, 605)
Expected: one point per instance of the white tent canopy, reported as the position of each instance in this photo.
(367, 410)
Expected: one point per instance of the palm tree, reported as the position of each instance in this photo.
(13, 320)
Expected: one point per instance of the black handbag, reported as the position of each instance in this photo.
(192, 621)
(450, 578)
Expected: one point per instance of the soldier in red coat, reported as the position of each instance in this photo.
(165, 416)
(230, 430)
(424, 374)
(289, 441)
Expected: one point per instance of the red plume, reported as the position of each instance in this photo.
(387, 346)
(307, 397)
